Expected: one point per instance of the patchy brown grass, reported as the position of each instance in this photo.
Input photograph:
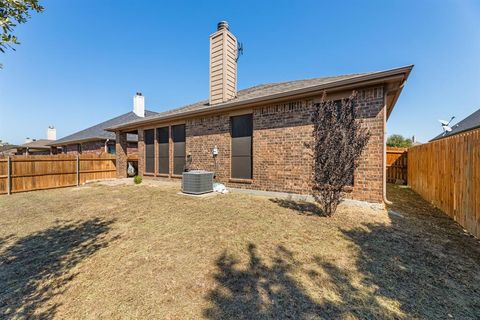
(146, 252)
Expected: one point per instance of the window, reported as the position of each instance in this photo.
(242, 130)
(149, 138)
(163, 152)
(111, 148)
(178, 137)
(79, 148)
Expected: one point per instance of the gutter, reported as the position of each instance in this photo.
(401, 73)
(66, 143)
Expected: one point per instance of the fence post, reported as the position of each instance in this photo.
(78, 170)
(9, 175)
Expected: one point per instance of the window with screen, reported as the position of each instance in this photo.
(163, 152)
(178, 138)
(149, 139)
(242, 130)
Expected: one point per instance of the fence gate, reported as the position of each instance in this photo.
(397, 162)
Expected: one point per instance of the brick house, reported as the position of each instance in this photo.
(261, 133)
(97, 140)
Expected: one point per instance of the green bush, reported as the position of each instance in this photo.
(137, 179)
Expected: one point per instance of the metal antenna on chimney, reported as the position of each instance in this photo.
(239, 51)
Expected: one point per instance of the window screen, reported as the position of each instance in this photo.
(178, 137)
(149, 138)
(242, 130)
(163, 152)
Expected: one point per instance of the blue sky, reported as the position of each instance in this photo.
(80, 62)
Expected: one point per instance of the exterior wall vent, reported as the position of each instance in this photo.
(197, 182)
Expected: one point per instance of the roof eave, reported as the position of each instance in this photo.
(399, 74)
(66, 143)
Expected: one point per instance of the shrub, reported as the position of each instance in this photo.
(137, 179)
(397, 140)
(339, 143)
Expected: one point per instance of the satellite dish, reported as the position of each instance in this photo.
(446, 125)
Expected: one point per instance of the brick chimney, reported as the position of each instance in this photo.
(223, 64)
(139, 104)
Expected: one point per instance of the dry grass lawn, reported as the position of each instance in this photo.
(124, 252)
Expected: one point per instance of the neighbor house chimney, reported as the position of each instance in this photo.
(223, 64)
(51, 133)
(139, 105)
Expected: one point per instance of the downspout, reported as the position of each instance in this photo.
(106, 147)
(385, 200)
(385, 144)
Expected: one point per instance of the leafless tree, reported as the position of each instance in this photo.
(339, 140)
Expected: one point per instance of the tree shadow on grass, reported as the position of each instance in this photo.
(421, 265)
(426, 278)
(260, 291)
(35, 268)
(263, 291)
(301, 207)
(423, 260)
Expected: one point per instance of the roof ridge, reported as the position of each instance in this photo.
(101, 127)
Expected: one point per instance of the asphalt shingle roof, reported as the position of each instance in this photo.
(37, 144)
(262, 90)
(98, 131)
(6, 147)
(469, 123)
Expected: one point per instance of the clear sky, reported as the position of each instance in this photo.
(81, 62)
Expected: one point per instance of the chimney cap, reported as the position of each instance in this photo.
(222, 25)
(138, 93)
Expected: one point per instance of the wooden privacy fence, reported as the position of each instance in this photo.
(27, 173)
(397, 159)
(446, 172)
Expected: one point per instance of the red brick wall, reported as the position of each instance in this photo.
(282, 158)
(71, 149)
(98, 147)
(132, 148)
(121, 154)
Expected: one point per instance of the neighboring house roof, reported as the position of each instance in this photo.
(7, 147)
(265, 92)
(37, 144)
(469, 123)
(4, 147)
(97, 132)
